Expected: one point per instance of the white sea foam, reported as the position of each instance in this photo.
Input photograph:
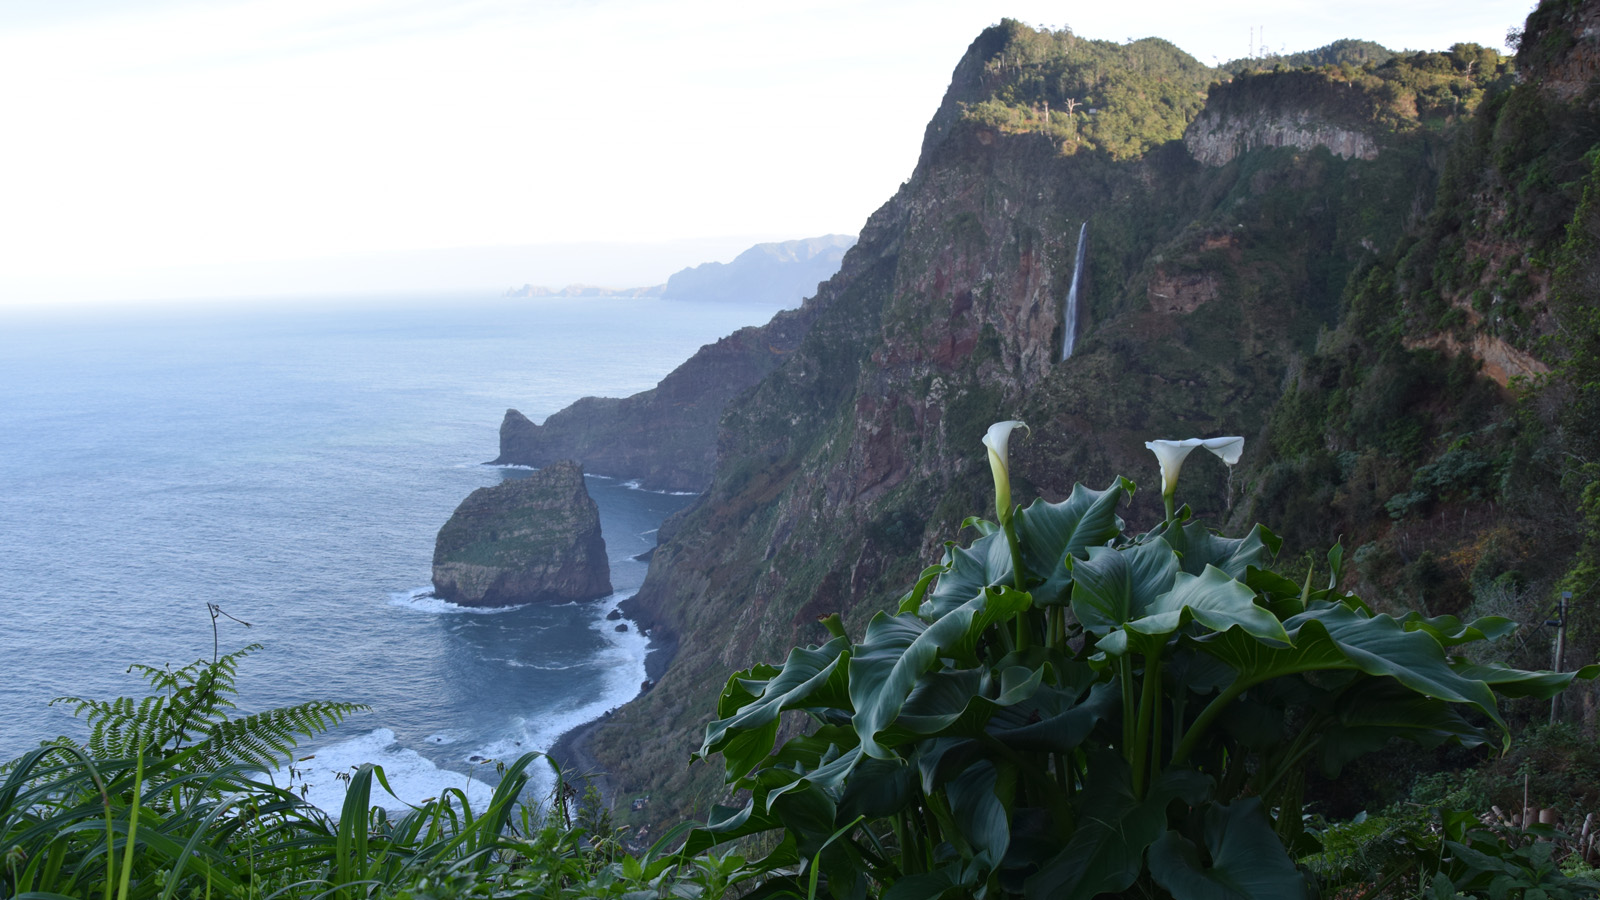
(622, 661)
(518, 664)
(517, 466)
(422, 600)
(413, 777)
(636, 485)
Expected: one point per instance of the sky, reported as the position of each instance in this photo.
(179, 149)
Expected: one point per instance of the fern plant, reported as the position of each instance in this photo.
(189, 708)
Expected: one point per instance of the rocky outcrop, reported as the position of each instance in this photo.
(1181, 292)
(1302, 110)
(1562, 55)
(665, 437)
(1217, 138)
(525, 540)
(1500, 361)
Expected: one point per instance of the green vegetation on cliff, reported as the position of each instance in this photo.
(1282, 290)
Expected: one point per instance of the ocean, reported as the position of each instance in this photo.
(292, 462)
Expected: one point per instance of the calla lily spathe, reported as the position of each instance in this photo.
(998, 441)
(1171, 455)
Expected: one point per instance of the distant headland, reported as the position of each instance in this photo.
(777, 274)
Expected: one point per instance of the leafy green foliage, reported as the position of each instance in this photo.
(1449, 852)
(1119, 99)
(1345, 51)
(192, 714)
(184, 815)
(1072, 709)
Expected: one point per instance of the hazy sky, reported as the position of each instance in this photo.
(174, 148)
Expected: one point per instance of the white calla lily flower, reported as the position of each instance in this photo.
(1171, 455)
(998, 442)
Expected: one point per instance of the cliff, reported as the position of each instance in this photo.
(842, 471)
(665, 437)
(1218, 286)
(1447, 424)
(526, 540)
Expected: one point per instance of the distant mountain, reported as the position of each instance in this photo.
(777, 274)
(583, 290)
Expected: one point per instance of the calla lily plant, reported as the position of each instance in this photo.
(1171, 455)
(998, 442)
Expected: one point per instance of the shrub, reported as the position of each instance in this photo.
(1066, 708)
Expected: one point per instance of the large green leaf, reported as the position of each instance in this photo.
(896, 650)
(979, 814)
(1106, 853)
(1510, 682)
(959, 701)
(940, 759)
(876, 789)
(1450, 631)
(1050, 532)
(799, 806)
(1247, 862)
(939, 883)
(1054, 720)
(1200, 547)
(1213, 598)
(827, 774)
(1372, 712)
(1115, 586)
(987, 562)
(1337, 637)
(811, 676)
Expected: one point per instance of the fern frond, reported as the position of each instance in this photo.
(190, 711)
(264, 739)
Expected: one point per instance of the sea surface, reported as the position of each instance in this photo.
(292, 462)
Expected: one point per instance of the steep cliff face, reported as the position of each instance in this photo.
(1560, 49)
(841, 472)
(1445, 428)
(526, 540)
(666, 436)
(1216, 138)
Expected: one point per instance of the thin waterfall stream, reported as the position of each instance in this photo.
(1069, 333)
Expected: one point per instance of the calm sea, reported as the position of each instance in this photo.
(292, 463)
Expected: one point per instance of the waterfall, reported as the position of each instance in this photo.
(1069, 333)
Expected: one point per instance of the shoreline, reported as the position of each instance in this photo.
(571, 753)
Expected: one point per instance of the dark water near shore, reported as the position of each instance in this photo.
(292, 463)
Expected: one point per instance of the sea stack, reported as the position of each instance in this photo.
(526, 540)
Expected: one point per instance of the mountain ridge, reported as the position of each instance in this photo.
(774, 273)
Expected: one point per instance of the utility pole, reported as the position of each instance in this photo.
(1561, 646)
